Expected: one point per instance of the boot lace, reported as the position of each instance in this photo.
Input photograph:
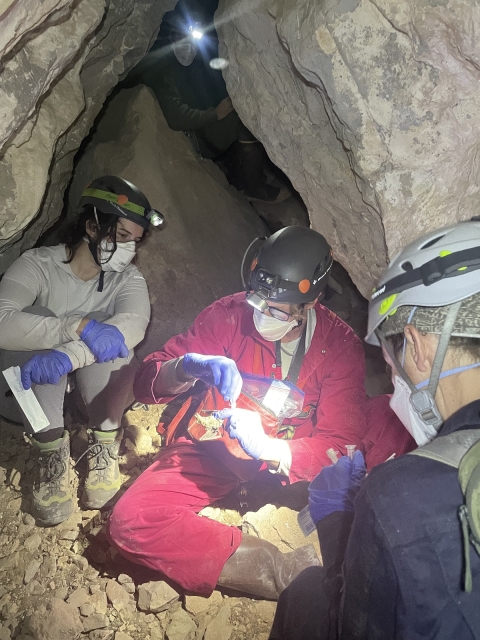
(53, 467)
(99, 456)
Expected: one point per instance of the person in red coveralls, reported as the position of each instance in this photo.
(280, 330)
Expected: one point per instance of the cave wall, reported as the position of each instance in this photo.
(195, 259)
(370, 107)
(59, 59)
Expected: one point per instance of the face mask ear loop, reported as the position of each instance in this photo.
(400, 370)
(409, 320)
(442, 347)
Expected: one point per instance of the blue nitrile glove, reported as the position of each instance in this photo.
(335, 487)
(246, 426)
(105, 341)
(45, 368)
(217, 371)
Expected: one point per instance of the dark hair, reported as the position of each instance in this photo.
(75, 233)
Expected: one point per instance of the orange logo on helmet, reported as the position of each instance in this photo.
(122, 199)
(254, 264)
(304, 286)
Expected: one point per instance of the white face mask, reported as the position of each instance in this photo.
(400, 404)
(270, 328)
(119, 259)
(185, 52)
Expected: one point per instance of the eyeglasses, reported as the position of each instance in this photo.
(283, 315)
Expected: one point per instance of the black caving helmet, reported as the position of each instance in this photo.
(114, 195)
(291, 266)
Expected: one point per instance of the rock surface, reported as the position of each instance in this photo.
(371, 109)
(77, 597)
(196, 258)
(69, 56)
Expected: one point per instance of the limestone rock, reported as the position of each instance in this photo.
(205, 217)
(155, 596)
(73, 54)
(279, 526)
(95, 621)
(196, 605)
(78, 597)
(181, 626)
(371, 110)
(60, 621)
(220, 627)
(117, 595)
(32, 543)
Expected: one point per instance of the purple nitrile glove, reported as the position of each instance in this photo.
(105, 341)
(246, 426)
(45, 368)
(335, 487)
(217, 371)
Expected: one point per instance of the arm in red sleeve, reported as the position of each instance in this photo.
(340, 416)
(210, 334)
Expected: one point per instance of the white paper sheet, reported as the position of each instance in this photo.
(26, 399)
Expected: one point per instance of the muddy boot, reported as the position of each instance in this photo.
(259, 568)
(52, 497)
(103, 478)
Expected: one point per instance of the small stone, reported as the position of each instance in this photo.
(122, 636)
(196, 605)
(101, 634)
(35, 588)
(220, 627)
(155, 596)
(5, 633)
(95, 621)
(181, 626)
(31, 569)
(86, 609)
(10, 562)
(98, 600)
(59, 622)
(78, 597)
(80, 561)
(28, 520)
(49, 566)
(61, 593)
(117, 595)
(32, 543)
(69, 535)
(265, 610)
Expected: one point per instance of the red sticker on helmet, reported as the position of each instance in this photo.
(122, 199)
(304, 286)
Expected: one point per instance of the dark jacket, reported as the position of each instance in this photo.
(404, 560)
(187, 95)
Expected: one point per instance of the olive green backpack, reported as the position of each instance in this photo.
(461, 450)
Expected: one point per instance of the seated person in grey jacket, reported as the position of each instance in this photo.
(78, 307)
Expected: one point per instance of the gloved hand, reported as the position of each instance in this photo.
(335, 487)
(105, 341)
(246, 426)
(45, 368)
(217, 371)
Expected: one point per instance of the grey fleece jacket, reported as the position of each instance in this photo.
(41, 277)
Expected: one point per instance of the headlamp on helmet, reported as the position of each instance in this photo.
(113, 195)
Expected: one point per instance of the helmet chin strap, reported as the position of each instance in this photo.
(423, 400)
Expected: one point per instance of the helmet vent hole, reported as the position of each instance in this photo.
(430, 243)
(407, 266)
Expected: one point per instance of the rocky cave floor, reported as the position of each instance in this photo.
(66, 582)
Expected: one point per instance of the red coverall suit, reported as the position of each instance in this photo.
(155, 523)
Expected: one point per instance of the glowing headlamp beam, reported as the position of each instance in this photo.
(197, 34)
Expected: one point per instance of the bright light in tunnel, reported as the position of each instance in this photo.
(219, 63)
(196, 34)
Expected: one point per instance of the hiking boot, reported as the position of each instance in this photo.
(103, 479)
(52, 498)
(267, 193)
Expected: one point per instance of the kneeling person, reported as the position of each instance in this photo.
(287, 334)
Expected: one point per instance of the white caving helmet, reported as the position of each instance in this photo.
(440, 269)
